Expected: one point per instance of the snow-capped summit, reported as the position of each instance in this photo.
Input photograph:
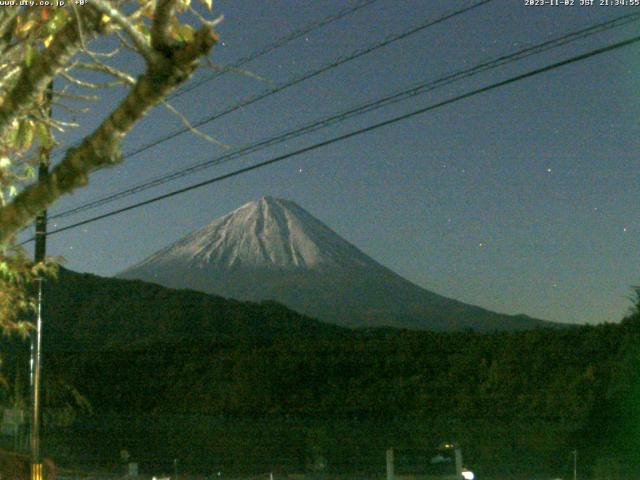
(273, 249)
(267, 233)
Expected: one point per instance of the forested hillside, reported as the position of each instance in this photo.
(256, 388)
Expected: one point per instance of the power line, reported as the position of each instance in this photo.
(415, 90)
(271, 47)
(307, 76)
(277, 44)
(354, 133)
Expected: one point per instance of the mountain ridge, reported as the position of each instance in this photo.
(89, 312)
(273, 249)
(277, 240)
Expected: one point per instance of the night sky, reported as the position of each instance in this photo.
(522, 200)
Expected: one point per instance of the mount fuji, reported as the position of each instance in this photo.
(272, 249)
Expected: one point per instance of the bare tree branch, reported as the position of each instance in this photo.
(101, 148)
(138, 39)
(91, 85)
(160, 38)
(209, 23)
(185, 121)
(33, 81)
(76, 96)
(60, 125)
(67, 108)
(7, 16)
(108, 70)
(124, 42)
(240, 71)
(8, 76)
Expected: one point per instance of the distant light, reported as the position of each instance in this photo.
(468, 475)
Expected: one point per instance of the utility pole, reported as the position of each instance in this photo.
(458, 454)
(36, 337)
(390, 461)
(575, 464)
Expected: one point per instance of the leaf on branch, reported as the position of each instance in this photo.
(58, 20)
(183, 5)
(24, 138)
(22, 29)
(182, 32)
(12, 133)
(28, 55)
(150, 8)
(144, 30)
(28, 67)
(29, 172)
(44, 136)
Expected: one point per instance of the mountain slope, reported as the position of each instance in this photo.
(88, 312)
(274, 249)
(266, 234)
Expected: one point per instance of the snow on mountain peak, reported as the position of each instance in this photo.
(266, 233)
(272, 249)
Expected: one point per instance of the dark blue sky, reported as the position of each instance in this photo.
(521, 200)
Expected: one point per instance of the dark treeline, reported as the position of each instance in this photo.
(515, 402)
(283, 400)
